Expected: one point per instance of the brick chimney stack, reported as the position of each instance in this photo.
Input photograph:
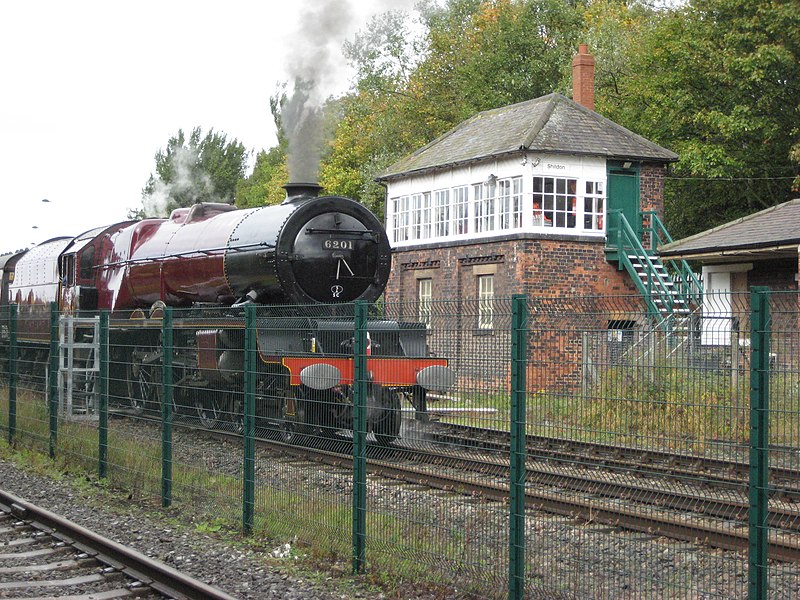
(583, 77)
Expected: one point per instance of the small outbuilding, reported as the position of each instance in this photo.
(762, 249)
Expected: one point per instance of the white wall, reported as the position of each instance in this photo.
(521, 165)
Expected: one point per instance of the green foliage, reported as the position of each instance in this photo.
(198, 169)
(490, 54)
(263, 186)
(470, 56)
(716, 82)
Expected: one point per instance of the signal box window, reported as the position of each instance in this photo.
(484, 206)
(593, 206)
(461, 207)
(424, 301)
(442, 213)
(485, 302)
(510, 192)
(400, 207)
(554, 202)
(421, 216)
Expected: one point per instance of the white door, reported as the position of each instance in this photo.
(716, 308)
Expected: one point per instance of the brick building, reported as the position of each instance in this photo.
(517, 200)
(533, 198)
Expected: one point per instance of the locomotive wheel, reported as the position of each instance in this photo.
(319, 409)
(144, 379)
(234, 404)
(293, 427)
(387, 423)
(209, 409)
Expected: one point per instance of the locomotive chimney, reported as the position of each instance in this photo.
(300, 191)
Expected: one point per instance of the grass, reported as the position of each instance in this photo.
(665, 404)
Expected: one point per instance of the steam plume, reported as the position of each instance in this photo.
(315, 69)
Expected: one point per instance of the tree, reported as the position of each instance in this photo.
(484, 55)
(200, 169)
(613, 30)
(372, 130)
(270, 173)
(264, 185)
(718, 82)
(472, 55)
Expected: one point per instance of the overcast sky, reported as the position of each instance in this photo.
(92, 89)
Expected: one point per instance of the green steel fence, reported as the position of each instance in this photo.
(583, 451)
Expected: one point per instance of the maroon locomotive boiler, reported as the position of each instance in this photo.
(307, 251)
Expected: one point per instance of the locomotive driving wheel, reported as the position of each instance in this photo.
(233, 401)
(386, 425)
(209, 408)
(144, 379)
(293, 426)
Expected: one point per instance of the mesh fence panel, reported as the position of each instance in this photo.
(638, 424)
(32, 427)
(784, 432)
(633, 400)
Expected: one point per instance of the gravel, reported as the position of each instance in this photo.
(240, 572)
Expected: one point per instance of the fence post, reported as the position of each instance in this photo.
(249, 419)
(166, 407)
(12, 372)
(759, 443)
(359, 437)
(516, 534)
(52, 379)
(102, 380)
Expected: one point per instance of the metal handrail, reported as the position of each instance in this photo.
(689, 285)
(626, 240)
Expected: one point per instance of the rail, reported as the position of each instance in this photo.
(157, 575)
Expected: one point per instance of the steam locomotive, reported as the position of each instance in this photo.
(309, 252)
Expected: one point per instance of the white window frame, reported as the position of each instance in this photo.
(416, 217)
(460, 197)
(425, 301)
(485, 285)
(510, 202)
(400, 218)
(555, 202)
(478, 190)
(594, 206)
(426, 216)
(441, 211)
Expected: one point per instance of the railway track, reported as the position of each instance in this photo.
(43, 555)
(673, 515)
(726, 474)
(690, 502)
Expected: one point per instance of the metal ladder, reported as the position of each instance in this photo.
(78, 366)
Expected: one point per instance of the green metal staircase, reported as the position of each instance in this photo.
(670, 288)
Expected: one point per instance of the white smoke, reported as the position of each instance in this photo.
(186, 180)
(316, 71)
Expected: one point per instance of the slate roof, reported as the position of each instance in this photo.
(763, 232)
(550, 124)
